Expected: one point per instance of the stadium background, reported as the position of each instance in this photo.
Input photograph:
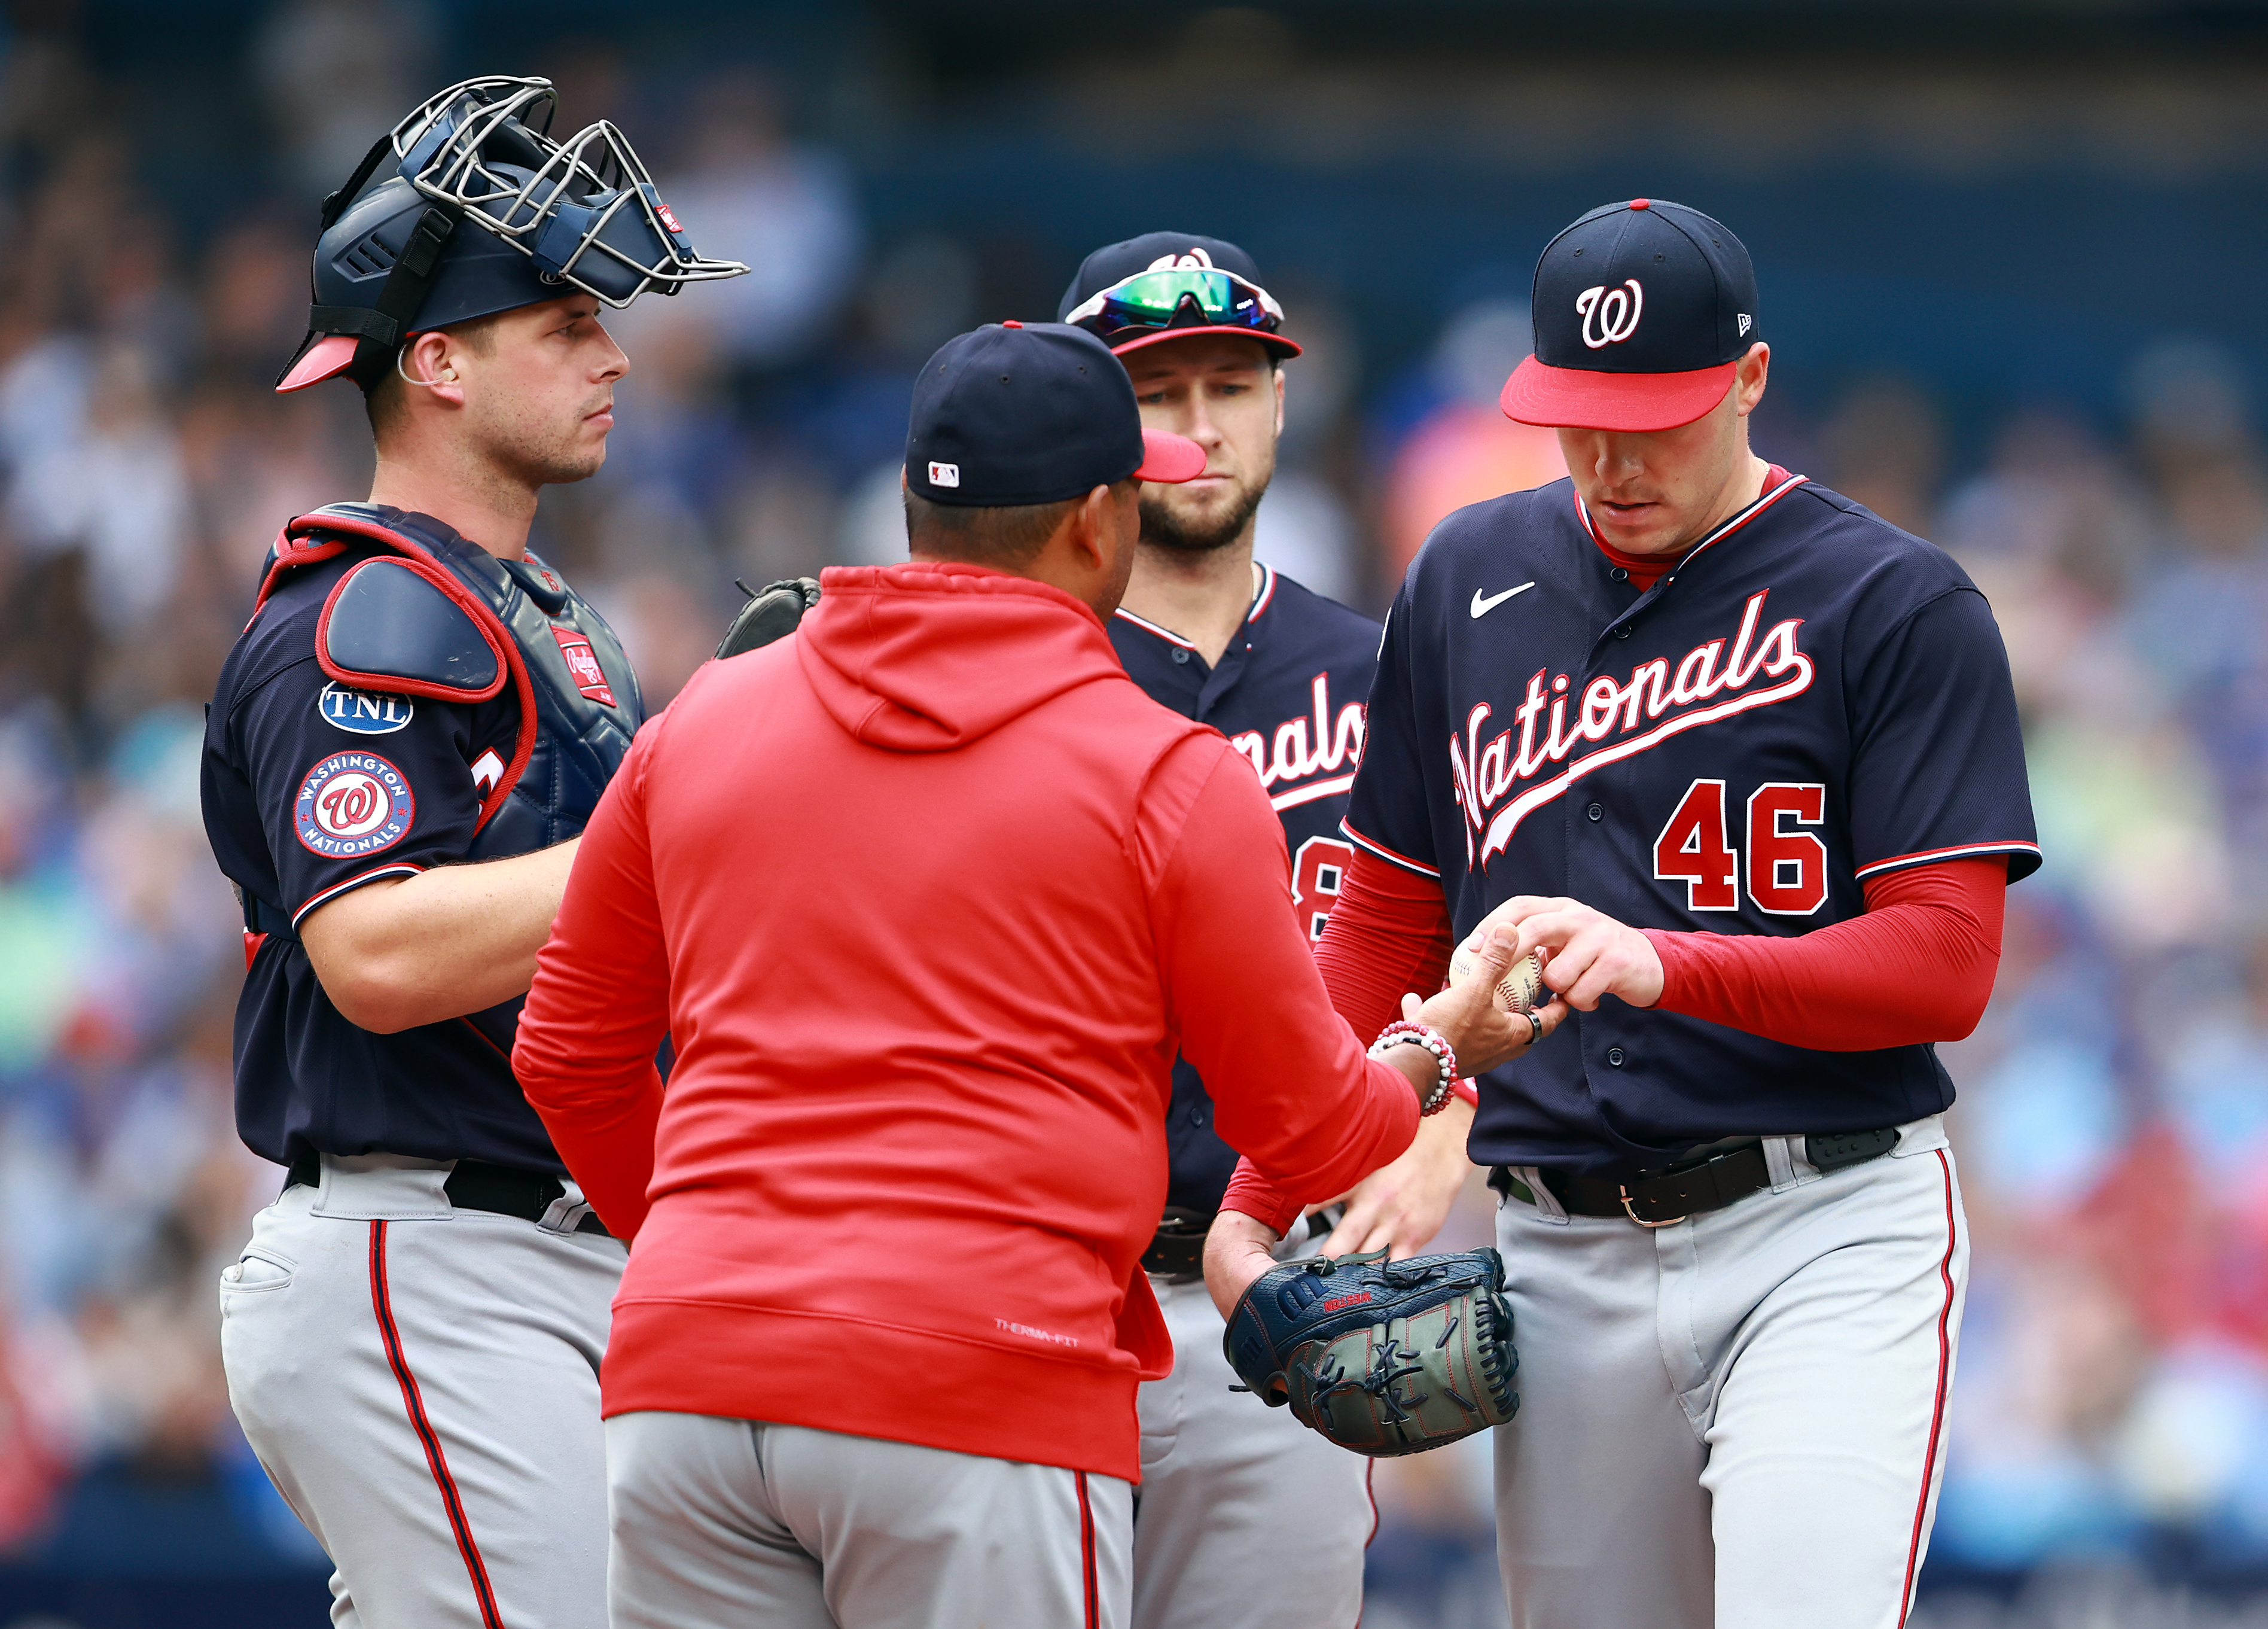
(2012, 262)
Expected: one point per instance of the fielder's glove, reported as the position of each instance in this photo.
(1382, 1357)
(771, 613)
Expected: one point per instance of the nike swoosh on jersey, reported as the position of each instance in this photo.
(1483, 604)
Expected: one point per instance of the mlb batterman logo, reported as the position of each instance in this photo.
(1610, 315)
(944, 475)
(352, 804)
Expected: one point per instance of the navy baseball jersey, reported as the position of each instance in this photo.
(1289, 695)
(312, 788)
(1809, 698)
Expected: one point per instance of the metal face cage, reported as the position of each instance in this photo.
(585, 210)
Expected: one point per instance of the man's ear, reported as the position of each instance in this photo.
(428, 362)
(1749, 382)
(1090, 530)
(1278, 370)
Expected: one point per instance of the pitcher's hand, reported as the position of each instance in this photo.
(1588, 954)
(1399, 1207)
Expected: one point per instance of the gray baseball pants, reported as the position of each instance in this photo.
(1737, 1419)
(422, 1383)
(721, 1523)
(1244, 1515)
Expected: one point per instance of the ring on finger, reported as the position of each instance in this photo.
(1535, 1028)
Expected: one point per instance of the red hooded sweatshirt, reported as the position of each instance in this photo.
(927, 896)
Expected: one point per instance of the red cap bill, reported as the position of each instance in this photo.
(1282, 349)
(325, 358)
(1578, 399)
(1170, 458)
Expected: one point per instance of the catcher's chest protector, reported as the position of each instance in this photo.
(460, 624)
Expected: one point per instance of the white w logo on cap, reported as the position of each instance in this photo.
(1612, 311)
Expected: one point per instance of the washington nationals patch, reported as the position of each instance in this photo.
(351, 804)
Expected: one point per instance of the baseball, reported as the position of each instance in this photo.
(1521, 988)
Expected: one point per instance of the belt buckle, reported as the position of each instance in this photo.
(1630, 1211)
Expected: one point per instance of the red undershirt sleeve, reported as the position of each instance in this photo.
(1917, 968)
(1388, 933)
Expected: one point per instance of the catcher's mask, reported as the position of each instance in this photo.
(467, 208)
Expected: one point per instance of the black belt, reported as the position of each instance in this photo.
(475, 1186)
(1177, 1248)
(1657, 1198)
(259, 916)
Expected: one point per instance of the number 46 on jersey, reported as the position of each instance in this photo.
(1786, 869)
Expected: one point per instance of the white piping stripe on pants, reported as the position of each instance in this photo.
(421, 1385)
(1736, 1420)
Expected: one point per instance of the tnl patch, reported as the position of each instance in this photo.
(583, 665)
(352, 804)
(364, 712)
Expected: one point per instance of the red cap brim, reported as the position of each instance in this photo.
(1578, 398)
(327, 357)
(1285, 348)
(1170, 458)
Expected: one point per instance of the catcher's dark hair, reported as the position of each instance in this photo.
(1009, 536)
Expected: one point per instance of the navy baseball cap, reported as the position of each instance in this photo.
(1017, 413)
(1642, 311)
(1167, 285)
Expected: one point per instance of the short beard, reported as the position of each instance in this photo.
(1166, 530)
(542, 455)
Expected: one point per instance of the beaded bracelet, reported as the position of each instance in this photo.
(1402, 1032)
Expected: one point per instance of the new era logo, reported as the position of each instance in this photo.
(944, 475)
(1746, 324)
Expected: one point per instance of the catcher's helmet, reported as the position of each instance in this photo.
(467, 208)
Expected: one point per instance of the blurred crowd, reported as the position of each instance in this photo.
(2113, 1127)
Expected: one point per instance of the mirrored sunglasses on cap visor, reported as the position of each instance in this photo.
(1157, 297)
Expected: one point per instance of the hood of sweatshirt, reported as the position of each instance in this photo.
(930, 656)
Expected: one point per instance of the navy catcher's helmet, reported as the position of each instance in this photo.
(467, 208)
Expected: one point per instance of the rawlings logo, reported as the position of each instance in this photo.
(1305, 746)
(1706, 684)
(1610, 315)
(583, 665)
(1337, 1301)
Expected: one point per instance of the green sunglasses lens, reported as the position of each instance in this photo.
(1155, 296)
(1153, 299)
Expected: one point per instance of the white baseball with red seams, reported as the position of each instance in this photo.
(1520, 989)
